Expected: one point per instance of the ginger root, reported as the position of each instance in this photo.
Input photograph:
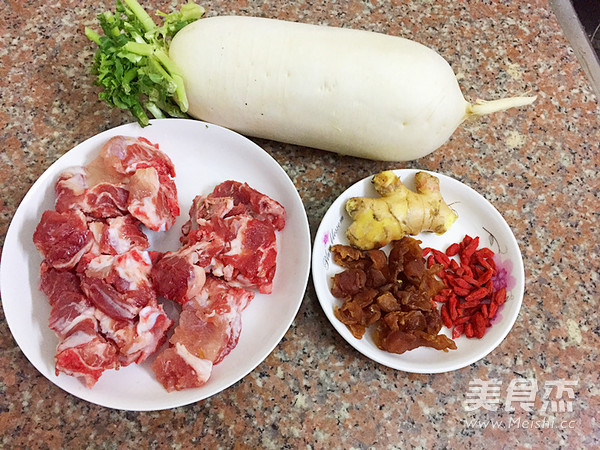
(399, 211)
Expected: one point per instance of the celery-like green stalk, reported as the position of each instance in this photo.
(132, 63)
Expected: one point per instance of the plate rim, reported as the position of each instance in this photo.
(305, 255)
(341, 329)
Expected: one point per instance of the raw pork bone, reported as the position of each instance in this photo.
(117, 235)
(130, 175)
(232, 232)
(127, 309)
(136, 339)
(102, 200)
(153, 199)
(82, 351)
(62, 238)
(118, 285)
(209, 328)
(241, 249)
(232, 198)
(125, 155)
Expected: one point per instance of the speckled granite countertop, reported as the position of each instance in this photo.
(539, 166)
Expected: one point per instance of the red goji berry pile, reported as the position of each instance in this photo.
(469, 301)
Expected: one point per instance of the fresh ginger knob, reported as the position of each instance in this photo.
(398, 212)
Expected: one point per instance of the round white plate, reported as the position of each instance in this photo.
(204, 155)
(476, 217)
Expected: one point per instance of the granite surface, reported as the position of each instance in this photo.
(538, 166)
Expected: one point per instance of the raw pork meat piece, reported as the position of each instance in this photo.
(249, 258)
(253, 202)
(126, 155)
(136, 339)
(153, 199)
(177, 276)
(82, 352)
(104, 309)
(119, 285)
(130, 175)
(232, 198)
(100, 201)
(62, 238)
(85, 354)
(118, 235)
(177, 369)
(209, 328)
(241, 249)
(244, 221)
(106, 200)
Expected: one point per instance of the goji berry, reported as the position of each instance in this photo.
(487, 276)
(477, 294)
(489, 286)
(478, 325)
(472, 304)
(469, 249)
(466, 241)
(461, 291)
(454, 265)
(493, 309)
(472, 281)
(484, 252)
(445, 316)
(462, 320)
(441, 298)
(469, 330)
(452, 302)
(500, 296)
(467, 269)
(441, 258)
(453, 249)
(484, 310)
(458, 330)
(460, 282)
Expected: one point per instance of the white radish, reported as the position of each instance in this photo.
(352, 92)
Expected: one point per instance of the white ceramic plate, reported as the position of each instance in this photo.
(204, 155)
(476, 217)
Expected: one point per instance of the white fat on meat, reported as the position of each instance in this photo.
(202, 367)
(63, 325)
(133, 267)
(100, 266)
(73, 180)
(143, 191)
(76, 339)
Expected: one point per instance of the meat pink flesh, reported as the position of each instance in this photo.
(82, 352)
(176, 369)
(255, 203)
(95, 272)
(136, 339)
(153, 199)
(119, 285)
(176, 276)
(127, 154)
(209, 328)
(118, 235)
(62, 238)
(85, 356)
